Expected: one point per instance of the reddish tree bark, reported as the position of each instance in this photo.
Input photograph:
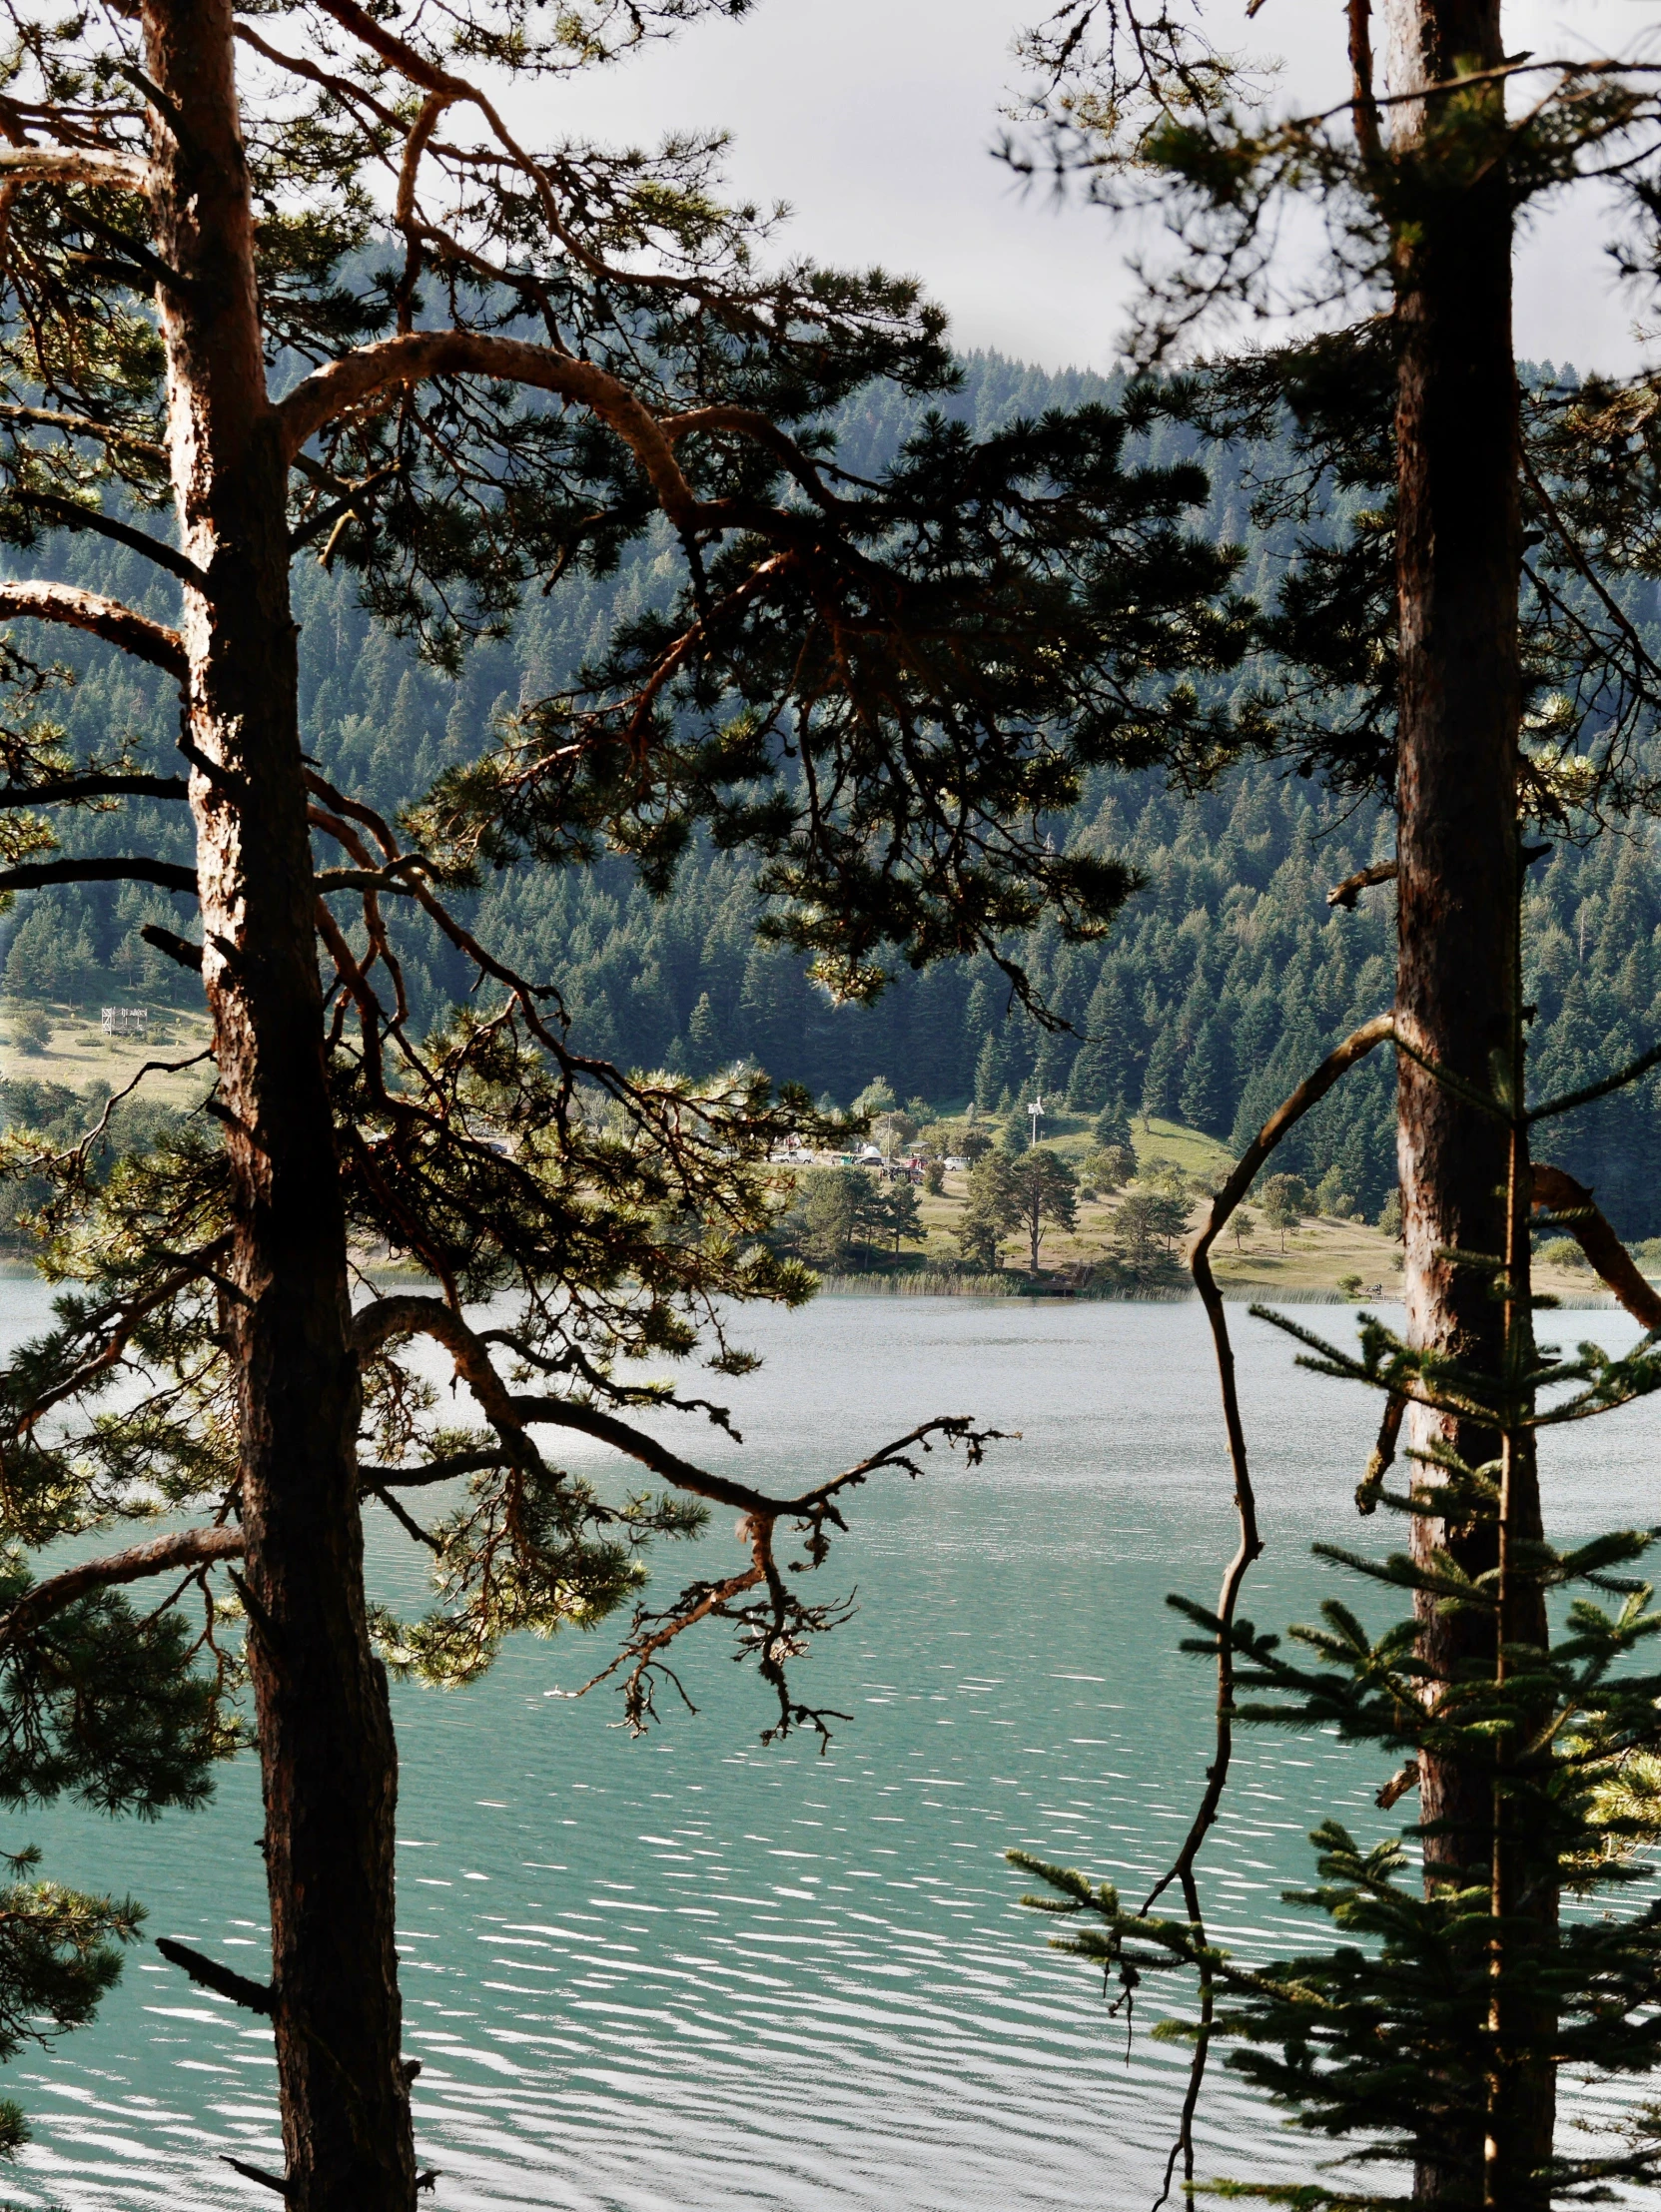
(1458, 575)
(326, 1739)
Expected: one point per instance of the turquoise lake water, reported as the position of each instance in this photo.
(692, 1972)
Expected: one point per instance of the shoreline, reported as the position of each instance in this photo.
(1004, 1289)
(991, 1288)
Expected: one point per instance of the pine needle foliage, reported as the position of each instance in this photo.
(1462, 642)
(1388, 2037)
(288, 283)
(1542, 1956)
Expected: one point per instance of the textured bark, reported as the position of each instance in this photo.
(1458, 572)
(326, 1741)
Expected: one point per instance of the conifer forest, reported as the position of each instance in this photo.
(584, 790)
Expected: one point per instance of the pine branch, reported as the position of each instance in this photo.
(132, 869)
(106, 618)
(345, 383)
(73, 165)
(74, 790)
(252, 1997)
(164, 1555)
(70, 516)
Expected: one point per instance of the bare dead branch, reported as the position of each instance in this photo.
(1400, 1783)
(1286, 1117)
(181, 949)
(436, 1470)
(252, 1997)
(70, 516)
(405, 1521)
(1581, 1217)
(1383, 1455)
(411, 1315)
(150, 1068)
(1571, 545)
(1346, 892)
(1337, 1063)
(121, 1318)
(82, 425)
(1601, 1089)
(255, 2173)
(652, 1634)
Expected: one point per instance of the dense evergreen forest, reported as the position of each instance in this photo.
(1226, 978)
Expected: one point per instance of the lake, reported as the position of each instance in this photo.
(689, 1971)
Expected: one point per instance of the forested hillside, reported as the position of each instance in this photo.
(1226, 978)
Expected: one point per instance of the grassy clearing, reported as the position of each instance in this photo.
(80, 1055)
(1315, 1259)
(1310, 1261)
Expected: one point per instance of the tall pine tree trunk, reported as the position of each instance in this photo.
(326, 1741)
(1458, 569)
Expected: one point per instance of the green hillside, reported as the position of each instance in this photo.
(1226, 978)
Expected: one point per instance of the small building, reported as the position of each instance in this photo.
(126, 1021)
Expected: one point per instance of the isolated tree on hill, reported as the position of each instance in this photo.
(1044, 1194)
(1112, 1168)
(829, 1212)
(1286, 1202)
(31, 1028)
(1111, 1126)
(901, 1216)
(1463, 646)
(1146, 1220)
(991, 1208)
(294, 280)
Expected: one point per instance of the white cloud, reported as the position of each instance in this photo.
(876, 120)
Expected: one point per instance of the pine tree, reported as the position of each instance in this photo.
(1472, 586)
(989, 1073)
(497, 379)
(704, 1034)
(1205, 1096)
(32, 966)
(1104, 1068)
(901, 1216)
(1112, 1126)
(992, 1210)
(1044, 1190)
(1162, 1080)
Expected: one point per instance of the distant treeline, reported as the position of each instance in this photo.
(1225, 982)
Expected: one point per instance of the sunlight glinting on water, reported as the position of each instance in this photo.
(693, 1973)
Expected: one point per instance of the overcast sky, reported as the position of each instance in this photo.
(876, 120)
